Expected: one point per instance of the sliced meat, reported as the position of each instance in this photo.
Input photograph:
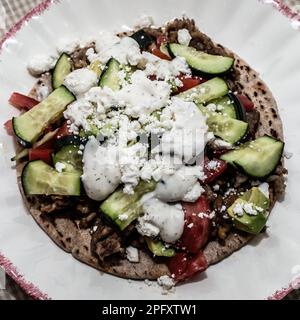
(154, 32)
(105, 241)
(79, 57)
(109, 247)
(200, 41)
(53, 203)
(210, 195)
(42, 88)
(240, 179)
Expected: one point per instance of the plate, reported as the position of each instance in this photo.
(259, 34)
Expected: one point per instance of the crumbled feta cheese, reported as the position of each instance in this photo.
(42, 92)
(41, 63)
(144, 21)
(223, 208)
(190, 226)
(78, 113)
(221, 143)
(80, 81)
(67, 45)
(105, 41)
(163, 69)
(166, 282)
(132, 254)
(126, 51)
(212, 215)
(211, 107)
(143, 96)
(194, 193)
(91, 55)
(184, 37)
(249, 209)
(59, 167)
(212, 165)
(216, 187)
(187, 138)
(238, 209)
(123, 217)
(131, 159)
(229, 191)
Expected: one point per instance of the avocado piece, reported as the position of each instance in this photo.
(159, 249)
(250, 223)
(124, 208)
(70, 156)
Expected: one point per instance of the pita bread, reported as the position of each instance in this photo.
(66, 233)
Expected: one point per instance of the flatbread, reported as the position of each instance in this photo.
(68, 236)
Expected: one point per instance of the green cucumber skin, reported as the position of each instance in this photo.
(217, 87)
(119, 203)
(109, 72)
(56, 82)
(76, 190)
(231, 157)
(204, 69)
(27, 143)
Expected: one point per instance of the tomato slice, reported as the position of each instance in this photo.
(8, 125)
(22, 102)
(246, 102)
(63, 131)
(41, 154)
(213, 169)
(197, 227)
(156, 51)
(189, 82)
(183, 266)
(161, 40)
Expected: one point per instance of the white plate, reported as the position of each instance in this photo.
(255, 31)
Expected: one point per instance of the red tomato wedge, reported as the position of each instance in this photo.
(63, 131)
(189, 82)
(183, 266)
(213, 169)
(161, 40)
(246, 102)
(197, 228)
(156, 51)
(41, 154)
(8, 125)
(22, 102)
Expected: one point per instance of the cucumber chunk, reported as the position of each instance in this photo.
(159, 249)
(227, 107)
(201, 61)
(110, 75)
(38, 178)
(70, 157)
(257, 158)
(29, 126)
(127, 205)
(207, 91)
(62, 68)
(224, 127)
